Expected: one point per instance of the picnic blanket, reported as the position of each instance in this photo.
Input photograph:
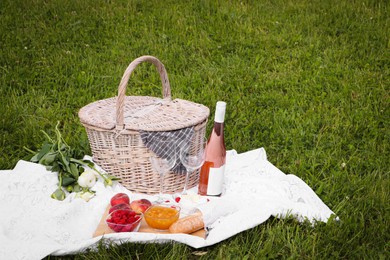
(32, 225)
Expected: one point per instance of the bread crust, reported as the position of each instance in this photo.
(188, 224)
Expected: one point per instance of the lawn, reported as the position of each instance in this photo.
(307, 80)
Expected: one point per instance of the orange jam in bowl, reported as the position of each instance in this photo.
(161, 216)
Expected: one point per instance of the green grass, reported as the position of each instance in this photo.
(306, 80)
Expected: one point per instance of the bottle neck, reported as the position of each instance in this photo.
(218, 129)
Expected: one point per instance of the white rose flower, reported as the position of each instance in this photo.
(87, 179)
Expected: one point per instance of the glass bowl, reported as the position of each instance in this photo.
(124, 220)
(162, 216)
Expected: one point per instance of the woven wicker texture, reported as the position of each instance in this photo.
(113, 126)
(143, 113)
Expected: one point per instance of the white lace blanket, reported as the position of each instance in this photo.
(32, 225)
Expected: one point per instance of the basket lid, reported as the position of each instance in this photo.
(144, 113)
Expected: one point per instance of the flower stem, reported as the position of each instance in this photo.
(90, 166)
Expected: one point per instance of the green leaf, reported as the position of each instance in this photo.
(59, 194)
(35, 158)
(65, 162)
(74, 170)
(44, 150)
(56, 167)
(48, 158)
(67, 181)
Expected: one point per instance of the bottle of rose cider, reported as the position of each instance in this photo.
(213, 170)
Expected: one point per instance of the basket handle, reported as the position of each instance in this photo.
(125, 79)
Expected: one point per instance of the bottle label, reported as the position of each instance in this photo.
(216, 176)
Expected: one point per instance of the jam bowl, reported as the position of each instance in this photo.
(162, 216)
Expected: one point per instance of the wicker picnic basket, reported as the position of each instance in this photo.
(113, 127)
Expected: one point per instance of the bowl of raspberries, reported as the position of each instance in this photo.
(124, 220)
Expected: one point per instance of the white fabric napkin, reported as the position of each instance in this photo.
(32, 225)
(250, 175)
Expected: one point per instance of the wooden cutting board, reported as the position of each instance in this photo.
(103, 228)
